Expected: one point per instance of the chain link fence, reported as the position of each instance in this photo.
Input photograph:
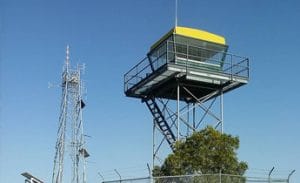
(203, 178)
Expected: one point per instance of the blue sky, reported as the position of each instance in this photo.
(110, 37)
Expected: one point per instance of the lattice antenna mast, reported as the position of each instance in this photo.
(71, 117)
(61, 132)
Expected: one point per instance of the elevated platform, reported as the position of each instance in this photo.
(190, 65)
(199, 79)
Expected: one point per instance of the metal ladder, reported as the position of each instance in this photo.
(161, 121)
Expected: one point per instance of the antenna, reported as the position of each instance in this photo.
(176, 7)
(70, 125)
(68, 55)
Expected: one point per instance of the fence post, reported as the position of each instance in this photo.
(118, 175)
(150, 173)
(101, 176)
(288, 180)
(149, 170)
(269, 176)
(220, 176)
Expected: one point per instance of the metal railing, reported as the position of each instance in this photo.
(201, 178)
(191, 58)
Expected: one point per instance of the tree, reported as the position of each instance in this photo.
(207, 152)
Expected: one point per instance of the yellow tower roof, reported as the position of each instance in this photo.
(193, 33)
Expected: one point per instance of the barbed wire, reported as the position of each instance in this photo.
(143, 171)
(125, 172)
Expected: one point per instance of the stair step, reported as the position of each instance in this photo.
(160, 120)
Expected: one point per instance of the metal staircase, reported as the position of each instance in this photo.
(161, 121)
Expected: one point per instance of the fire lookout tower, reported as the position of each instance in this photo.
(185, 71)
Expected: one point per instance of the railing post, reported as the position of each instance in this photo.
(167, 52)
(231, 67)
(248, 68)
(125, 83)
(136, 78)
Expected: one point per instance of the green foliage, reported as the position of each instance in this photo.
(207, 151)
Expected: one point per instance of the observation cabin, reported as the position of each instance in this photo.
(195, 59)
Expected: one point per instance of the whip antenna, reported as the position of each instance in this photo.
(176, 7)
